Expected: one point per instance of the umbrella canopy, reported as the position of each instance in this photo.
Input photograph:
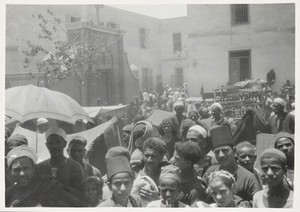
(30, 102)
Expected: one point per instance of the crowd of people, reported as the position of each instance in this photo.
(197, 159)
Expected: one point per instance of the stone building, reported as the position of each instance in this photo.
(213, 45)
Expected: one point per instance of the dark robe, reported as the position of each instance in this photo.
(43, 190)
(251, 124)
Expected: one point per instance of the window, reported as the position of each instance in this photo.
(178, 76)
(75, 19)
(159, 85)
(143, 38)
(239, 14)
(147, 79)
(239, 66)
(177, 42)
(113, 25)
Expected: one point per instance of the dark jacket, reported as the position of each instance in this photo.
(44, 191)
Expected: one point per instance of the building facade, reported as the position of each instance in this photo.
(213, 45)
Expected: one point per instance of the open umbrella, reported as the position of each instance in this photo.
(31, 102)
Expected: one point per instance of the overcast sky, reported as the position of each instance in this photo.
(157, 11)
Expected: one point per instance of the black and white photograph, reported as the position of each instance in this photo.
(185, 104)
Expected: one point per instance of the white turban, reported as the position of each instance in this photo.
(199, 129)
(56, 131)
(280, 101)
(178, 104)
(218, 105)
(21, 151)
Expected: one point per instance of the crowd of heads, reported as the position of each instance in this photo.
(161, 166)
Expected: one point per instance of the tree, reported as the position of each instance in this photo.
(68, 58)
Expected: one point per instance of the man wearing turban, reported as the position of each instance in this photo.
(277, 195)
(32, 188)
(278, 116)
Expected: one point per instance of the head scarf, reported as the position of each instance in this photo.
(225, 176)
(178, 104)
(170, 172)
(274, 153)
(244, 144)
(78, 140)
(218, 105)
(21, 151)
(56, 131)
(284, 135)
(17, 140)
(199, 129)
(280, 101)
(141, 131)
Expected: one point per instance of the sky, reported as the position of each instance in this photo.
(156, 11)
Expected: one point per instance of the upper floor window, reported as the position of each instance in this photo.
(239, 14)
(143, 37)
(75, 19)
(112, 25)
(177, 42)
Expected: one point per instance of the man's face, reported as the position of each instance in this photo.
(56, 145)
(286, 146)
(179, 161)
(152, 158)
(193, 135)
(169, 190)
(167, 128)
(215, 111)
(22, 171)
(224, 155)
(126, 136)
(246, 157)
(273, 172)
(76, 152)
(179, 110)
(92, 192)
(194, 116)
(278, 108)
(121, 185)
(220, 192)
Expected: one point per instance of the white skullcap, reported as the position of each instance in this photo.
(280, 101)
(42, 121)
(293, 105)
(21, 151)
(178, 103)
(56, 131)
(199, 129)
(218, 105)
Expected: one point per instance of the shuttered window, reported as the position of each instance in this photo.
(143, 38)
(177, 42)
(239, 14)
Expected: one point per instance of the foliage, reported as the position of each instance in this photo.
(69, 58)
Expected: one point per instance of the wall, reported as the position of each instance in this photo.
(170, 60)
(20, 28)
(270, 38)
(207, 37)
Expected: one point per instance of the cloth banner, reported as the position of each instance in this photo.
(158, 115)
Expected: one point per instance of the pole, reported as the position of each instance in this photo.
(119, 137)
(37, 137)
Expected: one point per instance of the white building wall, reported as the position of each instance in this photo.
(270, 38)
